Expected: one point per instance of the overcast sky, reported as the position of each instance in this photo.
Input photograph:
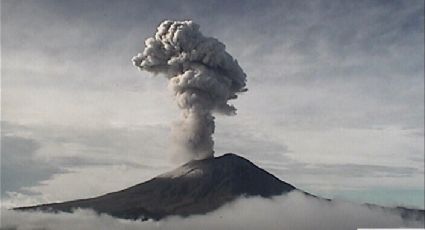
(335, 103)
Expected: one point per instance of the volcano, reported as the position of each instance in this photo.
(197, 187)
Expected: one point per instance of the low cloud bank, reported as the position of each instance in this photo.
(294, 211)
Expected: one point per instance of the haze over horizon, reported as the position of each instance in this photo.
(335, 107)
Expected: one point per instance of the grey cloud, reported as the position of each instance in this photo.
(32, 154)
(355, 51)
(347, 170)
(293, 211)
(349, 58)
(261, 148)
(68, 147)
(20, 167)
(255, 147)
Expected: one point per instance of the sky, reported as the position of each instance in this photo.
(335, 101)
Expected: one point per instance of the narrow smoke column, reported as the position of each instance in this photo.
(203, 77)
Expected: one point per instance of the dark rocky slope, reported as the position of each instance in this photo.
(197, 187)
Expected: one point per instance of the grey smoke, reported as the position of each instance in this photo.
(293, 211)
(203, 77)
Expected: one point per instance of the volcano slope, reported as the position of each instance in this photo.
(197, 187)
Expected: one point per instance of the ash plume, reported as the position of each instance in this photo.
(203, 77)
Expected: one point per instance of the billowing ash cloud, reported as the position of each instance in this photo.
(203, 77)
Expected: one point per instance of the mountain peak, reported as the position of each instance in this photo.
(199, 168)
(197, 187)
